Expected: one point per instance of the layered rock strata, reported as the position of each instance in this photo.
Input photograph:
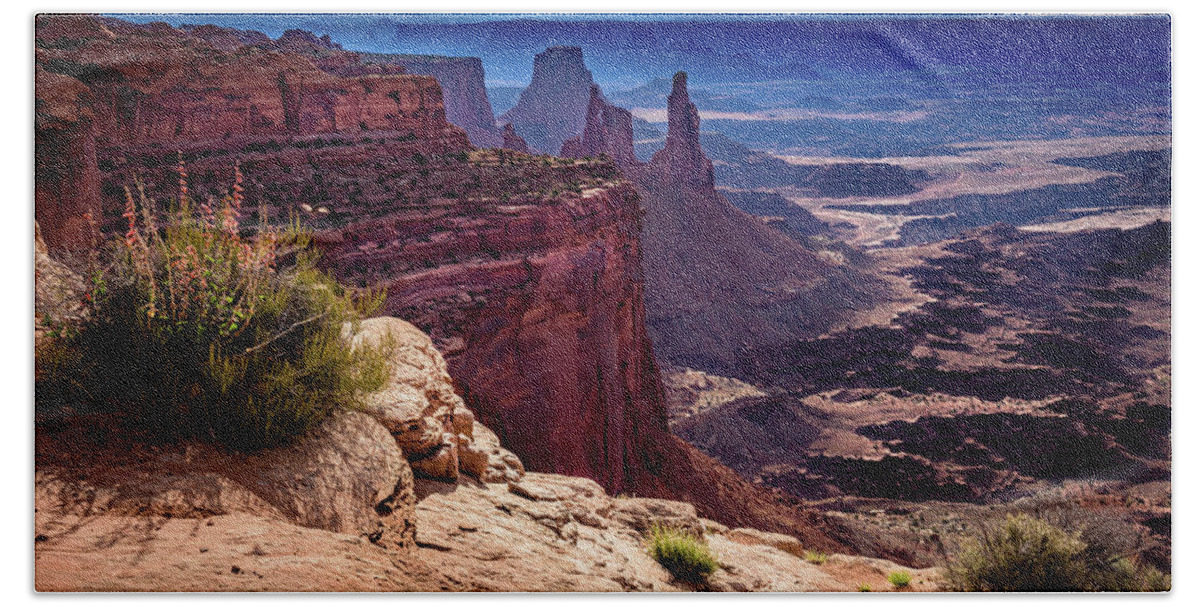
(463, 91)
(110, 98)
(537, 306)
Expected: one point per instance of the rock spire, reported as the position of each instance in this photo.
(682, 163)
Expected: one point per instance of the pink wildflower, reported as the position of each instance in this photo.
(237, 188)
(183, 188)
(131, 235)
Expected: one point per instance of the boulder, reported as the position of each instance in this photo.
(428, 420)
(643, 513)
(336, 479)
(418, 402)
(346, 476)
(58, 291)
(484, 458)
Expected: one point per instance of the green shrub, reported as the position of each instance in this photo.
(195, 331)
(815, 557)
(1028, 554)
(683, 554)
(864, 588)
(899, 579)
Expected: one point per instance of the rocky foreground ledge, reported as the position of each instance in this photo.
(341, 510)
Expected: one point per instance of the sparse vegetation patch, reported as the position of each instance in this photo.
(1028, 554)
(686, 556)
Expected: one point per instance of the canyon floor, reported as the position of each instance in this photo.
(989, 169)
(1034, 376)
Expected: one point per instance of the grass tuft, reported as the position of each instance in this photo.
(899, 579)
(685, 555)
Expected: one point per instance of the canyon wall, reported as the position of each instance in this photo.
(463, 91)
(538, 308)
(526, 270)
(110, 96)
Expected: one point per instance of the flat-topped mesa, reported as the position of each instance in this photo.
(607, 130)
(682, 163)
(304, 39)
(127, 97)
(226, 38)
(554, 105)
(512, 141)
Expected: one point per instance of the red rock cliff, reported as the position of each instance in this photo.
(538, 306)
(464, 93)
(67, 184)
(109, 93)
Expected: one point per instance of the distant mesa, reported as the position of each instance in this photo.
(554, 106)
(463, 91)
(302, 39)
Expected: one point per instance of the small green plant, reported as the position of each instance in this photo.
(195, 331)
(685, 555)
(864, 588)
(1028, 554)
(815, 557)
(899, 579)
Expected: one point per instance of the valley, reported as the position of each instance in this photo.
(799, 301)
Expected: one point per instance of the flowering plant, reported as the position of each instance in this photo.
(197, 330)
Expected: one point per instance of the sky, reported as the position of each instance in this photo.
(627, 49)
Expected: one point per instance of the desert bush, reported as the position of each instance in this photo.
(899, 579)
(1028, 554)
(685, 555)
(864, 588)
(195, 331)
(815, 557)
(1023, 554)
